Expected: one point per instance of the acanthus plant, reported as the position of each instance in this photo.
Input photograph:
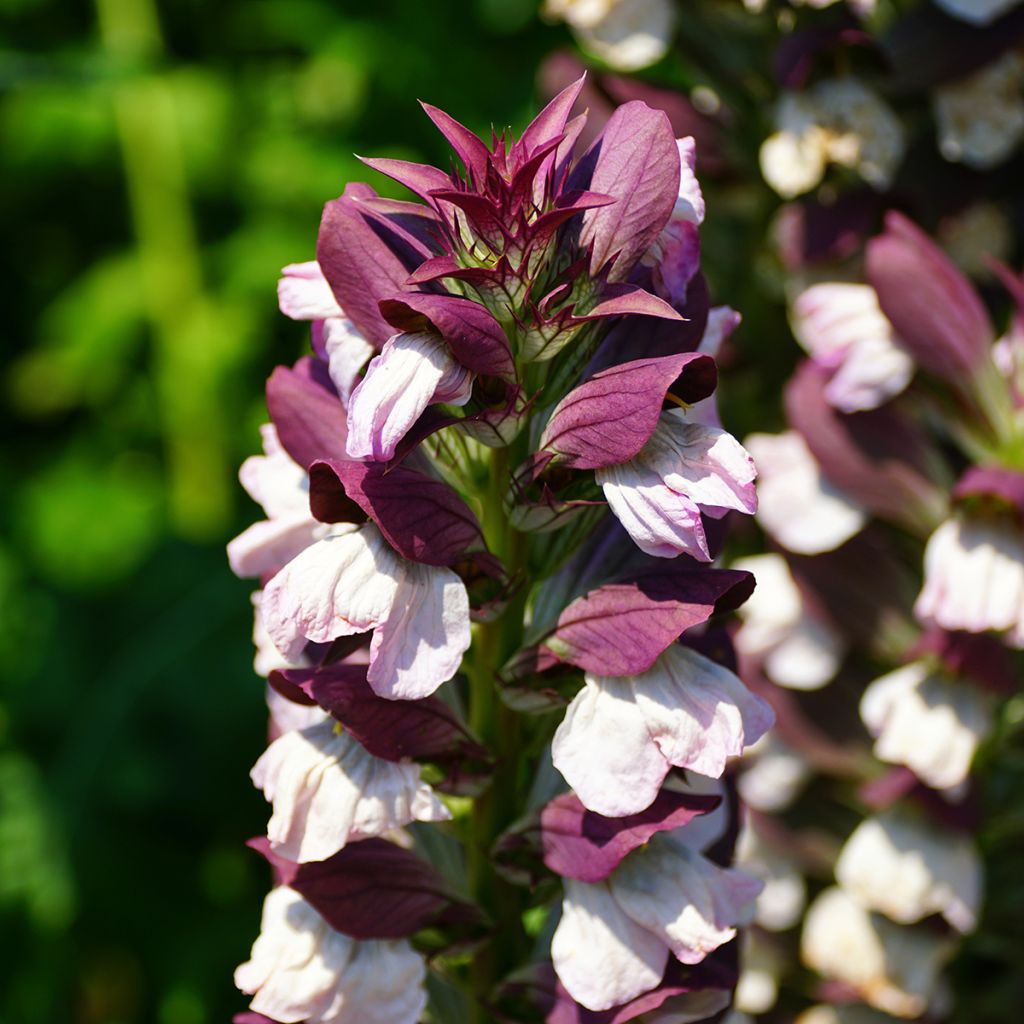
(442, 578)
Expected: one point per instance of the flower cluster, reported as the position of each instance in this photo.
(493, 496)
(855, 480)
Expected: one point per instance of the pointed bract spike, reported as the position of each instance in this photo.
(629, 300)
(418, 178)
(472, 151)
(551, 121)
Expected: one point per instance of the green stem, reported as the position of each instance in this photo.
(499, 728)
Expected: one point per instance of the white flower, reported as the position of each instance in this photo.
(614, 937)
(907, 869)
(892, 967)
(413, 370)
(842, 327)
(782, 899)
(301, 969)
(626, 34)
(837, 121)
(684, 469)
(351, 582)
(772, 776)
(620, 737)
(926, 721)
(981, 118)
(798, 649)
(328, 791)
(974, 578)
(757, 989)
(797, 506)
(304, 294)
(851, 1013)
(281, 486)
(977, 12)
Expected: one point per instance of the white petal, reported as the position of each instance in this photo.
(304, 294)
(421, 643)
(274, 479)
(690, 202)
(698, 712)
(399, 384)
(679, 895)
(296, 962)
(661, 522)
(347, 353)
(383, 984)
(327, 791)
(773, 775)
(266, 546)
(341, 585)
(604, 750)
(908, 870)
(782, 900)
(631, 35)
(926, 721)
(797, 506)
(600, 955)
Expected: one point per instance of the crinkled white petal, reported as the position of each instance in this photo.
(601, 956)
(343, 584)
(263, 548)
(304, 294)
(691, 904)
(604, 750)
(974, 578)
(697, 712)
(662, 522)
(907, 869)
(420, 644)
(274, 479)
(926, 721)
(327, 790)
(347, 353)
(893, 967)
(797, 507)
(384, 984)
(842, 328)
(413, 370)
(707, 464)
(297, 963)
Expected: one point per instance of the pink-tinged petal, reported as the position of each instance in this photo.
(600, 955)
(304, 294)
(690, 201)
(345, 350)
(707, 464)
(662, 522)
(637, 163)
(421, 643)
(691, 904)
(843, 329)
(604, 750)
(679, 250)
(697, 712)
(344, 584)
(327, 791)
(384, 984)
(274, 479)
(722, 321)
(399, 384)
(266, 546)
(797, 507)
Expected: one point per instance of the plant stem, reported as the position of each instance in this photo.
(498, 727)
